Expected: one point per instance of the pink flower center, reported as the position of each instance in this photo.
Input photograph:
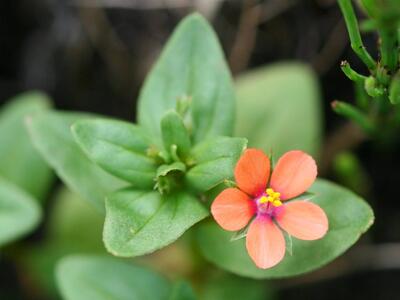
(268, 203)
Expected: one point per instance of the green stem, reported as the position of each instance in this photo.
(388, 48)
(350, 73)
(353, 113)
(362, 98)
(354, 34)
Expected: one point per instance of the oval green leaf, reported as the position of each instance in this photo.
(349, 216)
(119, 148)
(191, 66)
(214, 161)
(103, 278)
(140, 222)
(51, 135)
(279, 109)
(19, 161)
(73, 226)
(19, 212)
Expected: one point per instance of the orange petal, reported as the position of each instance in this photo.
(303, 220)
(252, 172)
(294, 173)
(265, 243)
(232, 209)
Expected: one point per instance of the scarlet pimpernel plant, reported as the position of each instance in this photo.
(160, 177)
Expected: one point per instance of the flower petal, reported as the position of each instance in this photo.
(303, 220)
(252, 172)
(265, 243)
(294, 173)
(232, 209)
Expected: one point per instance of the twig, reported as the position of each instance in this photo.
(107, 43)
(345, 138)
(331, 50)
(246, 36)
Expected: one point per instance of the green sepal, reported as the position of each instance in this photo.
(174, 132)
(169, 177)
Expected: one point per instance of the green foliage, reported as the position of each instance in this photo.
(157, 154)
(394, 89)
(19, 212)
(278, 109)
(74, 226)
(52, 136)
(182, 290)
(139, 222)
(192, 65)
(214, 161)
(381, 84)
(119, 148)
(349, 217)
(227, 287)
(105, 278)
(384, 11)
(18, 159)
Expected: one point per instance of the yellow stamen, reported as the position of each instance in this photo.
(273, 197)
(277, 203)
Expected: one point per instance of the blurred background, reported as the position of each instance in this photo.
(93, 55)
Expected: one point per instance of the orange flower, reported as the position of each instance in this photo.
(265, 200)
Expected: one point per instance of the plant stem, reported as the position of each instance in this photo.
(388, 49)
(350, 73)
(354, 34)
(353, 113)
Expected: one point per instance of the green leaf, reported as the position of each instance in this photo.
(19, 161)
(214, 161)
(74, 226)
(119, 148)
(278, 109)
(52, 136)
(192, 65)
(19, 212)
(349, 217)
(105, 278)
(226, 287)
(182, 290)
(175, 133)
(140, 222)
